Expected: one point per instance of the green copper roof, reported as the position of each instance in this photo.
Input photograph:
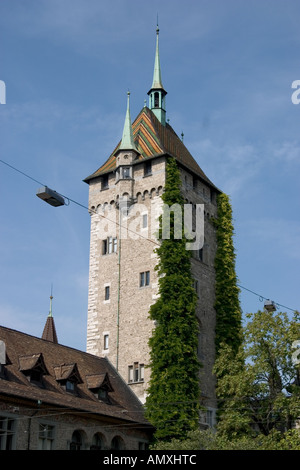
(157, 83)
(127, 142)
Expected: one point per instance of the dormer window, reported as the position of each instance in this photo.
(67, 375)
(33, 367)
(100, 386)
(3, 359)
(102, 394)
(70, 386)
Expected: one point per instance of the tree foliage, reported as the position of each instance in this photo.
(172, 405)
(263, 397)
(227, 304)
(208, 440)
(260, 401)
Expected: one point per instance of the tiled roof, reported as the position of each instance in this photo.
(49, 332)
(152, 139)
(60, 362)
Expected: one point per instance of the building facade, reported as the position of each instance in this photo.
(57, 398)
(125, 203)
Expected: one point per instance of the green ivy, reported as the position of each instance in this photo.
(172, 405)
(227, 304)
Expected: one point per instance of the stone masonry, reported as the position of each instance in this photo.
(125, 203)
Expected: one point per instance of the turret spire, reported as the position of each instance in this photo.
(157, 83)
(49, 333)
(157, 92)
(127, 142)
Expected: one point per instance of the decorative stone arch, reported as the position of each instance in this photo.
(117, 443)
(99, 442)
(138, 197)
(78, 440)
(160, 190)
(145, 194)
(153, 193)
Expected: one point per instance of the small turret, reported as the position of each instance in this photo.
(157, 93)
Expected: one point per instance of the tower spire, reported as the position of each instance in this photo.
(157, 92)
(157, 83)
(127, 142)
(49, 333)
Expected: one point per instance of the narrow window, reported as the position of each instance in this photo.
(145, 279)
(7, 433)
(46, 437)
(104, 182)
(136, 372)
(141, 373)
(130, 374)
(106, 341)
(110, 244)
(145, 220)
(107, 292)
(148, 168)
(126, 172)
(156, 99)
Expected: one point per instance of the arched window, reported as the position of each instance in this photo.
(76, 443)
(156, 99)
(117, 443)
(98, 442)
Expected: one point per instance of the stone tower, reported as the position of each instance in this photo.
(125, 202)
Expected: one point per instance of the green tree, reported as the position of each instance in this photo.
(172, 405)
(227, 304)
(263, 397)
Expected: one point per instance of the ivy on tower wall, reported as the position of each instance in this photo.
(172, 405)
(227, 304)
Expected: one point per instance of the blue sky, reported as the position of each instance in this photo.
(227, 66)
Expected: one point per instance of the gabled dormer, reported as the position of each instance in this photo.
(67, 375)
(100, 386)
(33, 367)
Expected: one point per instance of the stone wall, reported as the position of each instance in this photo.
(124, 316)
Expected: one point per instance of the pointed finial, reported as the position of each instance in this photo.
(157, 83)
(51, 297)
(127, 142)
